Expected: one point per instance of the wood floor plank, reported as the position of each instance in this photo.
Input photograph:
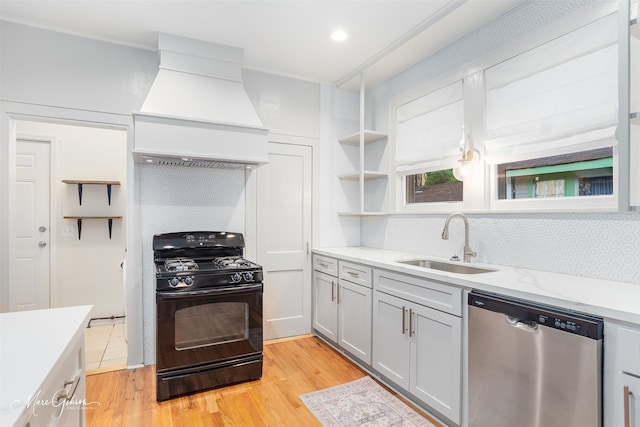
(291, 367)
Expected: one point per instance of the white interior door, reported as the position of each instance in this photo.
(284, 238)
(31, 288)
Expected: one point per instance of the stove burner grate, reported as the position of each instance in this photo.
(232, 262)
(180, 264)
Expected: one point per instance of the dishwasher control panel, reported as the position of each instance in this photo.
(532, 313)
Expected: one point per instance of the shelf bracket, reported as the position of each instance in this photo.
(79, 221)
(110, 221)
(109, 193)
(80, 193)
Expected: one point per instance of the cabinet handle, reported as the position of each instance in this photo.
(323, 264)
(410, 323)
(404, 329)
(352, 273)
(333, 296)
(67, 394)
(338, 294)
(627, 415)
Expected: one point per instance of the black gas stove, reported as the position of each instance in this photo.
(202, 259)
(208, 312)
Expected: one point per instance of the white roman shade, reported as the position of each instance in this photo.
(560, 96)
(429, 130)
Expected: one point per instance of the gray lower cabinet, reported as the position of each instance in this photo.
(342, 306)
(354, 320)
(325, 306)
(621, 375)
(415, 346)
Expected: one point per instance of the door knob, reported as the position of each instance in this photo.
(42, 229)
(42, 244)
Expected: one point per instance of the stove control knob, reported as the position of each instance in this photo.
(188, 281)
(236, 277)
(174, 282)
(248, 276)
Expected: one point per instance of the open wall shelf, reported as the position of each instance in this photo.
(81, 182)
(369, 137)
(79, 220)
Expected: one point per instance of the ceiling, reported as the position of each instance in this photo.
(284, 37)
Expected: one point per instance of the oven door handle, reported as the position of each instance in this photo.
(235, 289)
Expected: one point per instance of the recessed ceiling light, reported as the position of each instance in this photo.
(339, 36)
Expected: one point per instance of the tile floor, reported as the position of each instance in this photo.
(105, 348)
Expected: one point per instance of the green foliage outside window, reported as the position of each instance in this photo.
(435, 177)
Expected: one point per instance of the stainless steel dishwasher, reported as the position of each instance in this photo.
(533, 365)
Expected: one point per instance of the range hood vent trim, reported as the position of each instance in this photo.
(168, 159)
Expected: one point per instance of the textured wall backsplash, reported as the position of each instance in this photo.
(183, 199)
(599, 245)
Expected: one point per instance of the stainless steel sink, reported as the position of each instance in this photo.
(445, 266)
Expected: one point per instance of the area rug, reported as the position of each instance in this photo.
(361, 403)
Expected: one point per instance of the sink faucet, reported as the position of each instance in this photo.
(468, 252)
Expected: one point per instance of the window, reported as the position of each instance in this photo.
(582, 174)
(434, 186)
(551, 114)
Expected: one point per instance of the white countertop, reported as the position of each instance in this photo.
(605, 298)
(31, 342)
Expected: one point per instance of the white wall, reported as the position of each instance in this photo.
(285, 105)
(49, 68)
(88, 270)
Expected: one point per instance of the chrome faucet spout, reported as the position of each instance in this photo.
(468, 252)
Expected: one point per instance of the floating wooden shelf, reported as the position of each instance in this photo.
(81, 182)
(80, 218)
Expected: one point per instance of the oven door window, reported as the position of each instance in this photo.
(211, 324)
(208, 327)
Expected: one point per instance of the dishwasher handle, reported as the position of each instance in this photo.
(525, 325)
(530, 313)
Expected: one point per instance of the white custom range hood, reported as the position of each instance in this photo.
(197, 112)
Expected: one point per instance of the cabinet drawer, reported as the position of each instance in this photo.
(355, 273)
(432, 294)
(628, 351)
(325, 264)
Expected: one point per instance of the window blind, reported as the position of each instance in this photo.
(429, 129)
(565, 91)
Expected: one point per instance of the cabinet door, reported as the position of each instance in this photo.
(325, 313)
(621, 369)
(354, 302)
(391, 338)
(436, 346)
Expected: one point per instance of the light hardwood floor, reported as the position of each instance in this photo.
(291, 368)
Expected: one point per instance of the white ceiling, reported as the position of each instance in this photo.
(284, 37)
